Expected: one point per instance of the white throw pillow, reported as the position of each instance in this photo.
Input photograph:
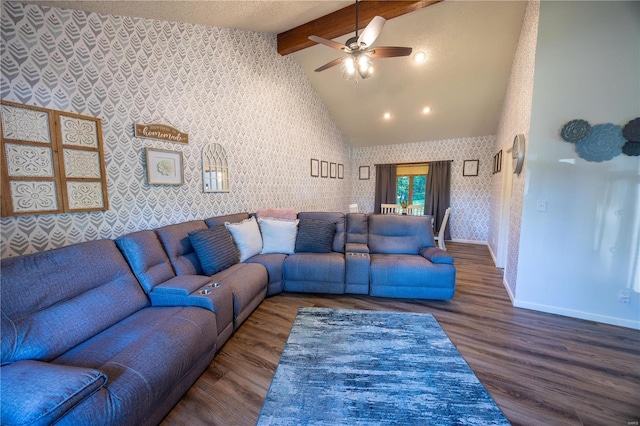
(246, 235)
(278, 235)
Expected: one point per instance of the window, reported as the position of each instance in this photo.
(412, 179)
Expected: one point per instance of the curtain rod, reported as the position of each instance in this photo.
(410, 164)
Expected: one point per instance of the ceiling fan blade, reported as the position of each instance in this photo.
(371, 31)
(330, 64)
(326, 42)
(390, 52)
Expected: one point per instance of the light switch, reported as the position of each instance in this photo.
(541, 206)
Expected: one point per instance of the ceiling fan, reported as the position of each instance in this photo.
(359, 50)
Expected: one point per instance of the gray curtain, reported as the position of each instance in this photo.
(438, 193)
(386, 186)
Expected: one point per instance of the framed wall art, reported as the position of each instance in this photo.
(470, 167)
(497, 162)
(53, 161)
(315, 168)
(164, 167)
(363, 173)
(324, 169)
(340, 171)
(332, 170)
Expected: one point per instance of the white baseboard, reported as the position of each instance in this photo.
(493, 256)
(511, 295)
(576, 314)
(456, 240)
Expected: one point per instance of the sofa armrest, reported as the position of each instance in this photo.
(39, 393)
(435, 255)
(356, 248)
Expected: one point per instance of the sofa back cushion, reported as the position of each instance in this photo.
(335, 217)
(231, 218)
(176, 243)
(397, 234)
(357, 228)
(147, 258)
(57, 299)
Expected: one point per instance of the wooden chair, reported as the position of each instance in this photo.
(390, 209)
(440, 237)
(415, 210)
(353, 208)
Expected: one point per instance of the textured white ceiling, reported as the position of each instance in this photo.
(470, 47)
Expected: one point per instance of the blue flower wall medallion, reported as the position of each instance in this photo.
(575, 131)
(631, 148)
(631, 131)
(603, 143)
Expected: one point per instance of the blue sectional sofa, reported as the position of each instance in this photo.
(115, 332)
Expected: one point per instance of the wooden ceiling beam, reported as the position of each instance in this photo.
(342, 22)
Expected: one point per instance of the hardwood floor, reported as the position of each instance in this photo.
(541, 369)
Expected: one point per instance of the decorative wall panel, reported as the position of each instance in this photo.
(85, 195)
(218, 85)
(469, 195)
(25, 124)
(28, 160)
(33, 196)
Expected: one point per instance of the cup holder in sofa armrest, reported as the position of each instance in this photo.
(203, 297)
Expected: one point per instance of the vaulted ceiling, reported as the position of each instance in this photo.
(469, 45)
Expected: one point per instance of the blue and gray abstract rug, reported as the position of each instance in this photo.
(347, 367)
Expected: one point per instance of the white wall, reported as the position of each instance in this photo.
(576, 257)
(470, 195)
(219, 85)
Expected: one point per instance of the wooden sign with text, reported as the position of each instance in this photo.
(160, 132)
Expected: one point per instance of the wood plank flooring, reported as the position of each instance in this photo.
(541, 369)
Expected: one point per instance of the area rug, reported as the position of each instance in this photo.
(348, 367)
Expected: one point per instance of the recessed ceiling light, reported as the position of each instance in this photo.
(426, 110)
(387, 115)
(420, 57)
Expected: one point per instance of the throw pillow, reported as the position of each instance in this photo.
(315, 236)
(215, 249)
(278, 235)
(246, 235)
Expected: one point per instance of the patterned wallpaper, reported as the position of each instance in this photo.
(470, 196)
(219, 85)
(516, 118)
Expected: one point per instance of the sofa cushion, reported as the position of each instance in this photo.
(246, 235)
(176, 242)
(45, 294)
(215, 249)
(315, 236)
(148, 260)
(45, 391)
(396, 234)
(144, 357)
(273, 263)
(357, 228)
(278, 235)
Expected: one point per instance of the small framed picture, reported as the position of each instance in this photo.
(332, 170)
(315, 167)
(470, 167)
(499, 162)
(324, 169)
(164, 167)
(340, 171)
(364, 173)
